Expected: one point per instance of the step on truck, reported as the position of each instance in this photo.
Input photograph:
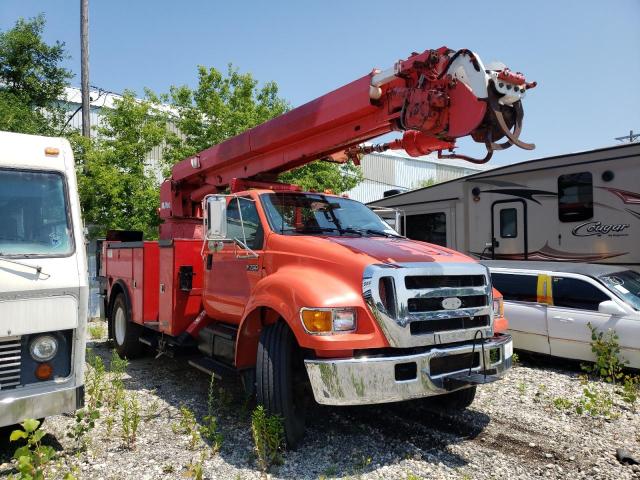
(310, 296)
(43, 280)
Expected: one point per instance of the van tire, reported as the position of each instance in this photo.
(277, 361)
(455, 401)
(126, 334)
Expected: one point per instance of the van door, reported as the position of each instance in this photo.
(575, 305)
(509, 229)
(525, 309)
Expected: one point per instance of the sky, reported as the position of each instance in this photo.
(585, 55)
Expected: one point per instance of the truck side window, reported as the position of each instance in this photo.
(574, 293)
(521, 288)
(428, 227)
(508, 223)
(575, 197)
(253, 231)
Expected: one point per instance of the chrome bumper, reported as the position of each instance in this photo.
(359, 381)
(19, 404)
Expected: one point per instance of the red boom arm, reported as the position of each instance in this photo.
(433, 97)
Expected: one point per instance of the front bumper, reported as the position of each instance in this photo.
(20, 404)
(360, 381)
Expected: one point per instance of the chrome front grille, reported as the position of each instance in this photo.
(429, 303)
(10, 362)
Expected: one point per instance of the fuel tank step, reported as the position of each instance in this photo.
(463, 379)
(212, 367)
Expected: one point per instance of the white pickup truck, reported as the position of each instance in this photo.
(43, 279)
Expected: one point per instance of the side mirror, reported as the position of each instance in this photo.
(216, 217)
(609, 307)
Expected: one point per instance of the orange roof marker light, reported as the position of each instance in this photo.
(52, 151)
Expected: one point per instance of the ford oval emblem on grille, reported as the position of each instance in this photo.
(451, 303)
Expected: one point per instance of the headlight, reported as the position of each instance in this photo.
(328, 320)
(498, 307)
(43, 348)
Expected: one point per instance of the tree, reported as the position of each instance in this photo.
(118, 185)
(427, 182)
(31, 79)
(223, 106)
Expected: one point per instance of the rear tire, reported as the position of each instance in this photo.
(455, 401)
(280, 376)
(126, 334)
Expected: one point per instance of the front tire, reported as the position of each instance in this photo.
(279, 372)
(126, 334)
(455, 401)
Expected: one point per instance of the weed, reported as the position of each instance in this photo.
(331, 471)
(153, 409)
(268, 435)
(33, 457)
(97, 330)
(606, 348)
(118, 369)
(85, 419)
(595, 402)
(522, 388)
(210, 428)
(130, 420)
(540, 393)
(630, 391)
(168, 468)
(195, 469)
(515, 360)
(562, 403)
(187, 425)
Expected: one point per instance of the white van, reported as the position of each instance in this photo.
(43, 279)
(550, 304)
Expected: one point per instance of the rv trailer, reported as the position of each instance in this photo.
(580, 207)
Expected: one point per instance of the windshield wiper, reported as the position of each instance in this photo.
(37, 268)
(370, 231)
(310, 229)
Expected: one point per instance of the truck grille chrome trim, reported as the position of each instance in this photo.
(417, 298)
(10, 362)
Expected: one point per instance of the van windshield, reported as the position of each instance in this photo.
(317, 214)
(34, 219)
(626, 285)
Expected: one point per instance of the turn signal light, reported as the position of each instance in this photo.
(44, 371)
(317, 321)
(52, 151)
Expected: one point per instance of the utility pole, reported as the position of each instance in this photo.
(84, 67)
(632, 137)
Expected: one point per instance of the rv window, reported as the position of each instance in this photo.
(508, 223)
(574, 293)
(575, 197)
(428, 227)
(521, 288)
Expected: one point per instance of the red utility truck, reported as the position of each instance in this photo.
(310, 295)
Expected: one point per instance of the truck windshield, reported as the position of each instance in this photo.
(34, 218)
(626, 285)
(317, 214)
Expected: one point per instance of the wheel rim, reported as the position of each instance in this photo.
(120, 325)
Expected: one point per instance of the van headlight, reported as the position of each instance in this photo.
(43, 348)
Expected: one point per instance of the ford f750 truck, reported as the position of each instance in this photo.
(309, 295)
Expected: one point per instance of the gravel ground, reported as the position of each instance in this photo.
(513, 430)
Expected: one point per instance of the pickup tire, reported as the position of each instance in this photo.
(126, 334)
(455, 401)
(277, 374)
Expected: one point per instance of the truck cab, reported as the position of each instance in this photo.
(43, 279)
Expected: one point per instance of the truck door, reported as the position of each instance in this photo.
(232, 268)
(509, 229)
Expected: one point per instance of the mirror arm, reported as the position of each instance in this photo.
(252, 254)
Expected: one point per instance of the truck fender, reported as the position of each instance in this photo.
(119, 286)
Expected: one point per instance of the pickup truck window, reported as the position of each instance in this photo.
(316, 214)
(34, 214)
(574, 293)
(521, 288)
(625, 285)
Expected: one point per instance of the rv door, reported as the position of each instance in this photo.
(509, 229)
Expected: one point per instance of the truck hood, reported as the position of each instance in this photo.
(399, 250)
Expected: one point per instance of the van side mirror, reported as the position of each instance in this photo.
(216, 217)
(609, 307)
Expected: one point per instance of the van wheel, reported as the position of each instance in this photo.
(455, 401)
(281, 380)
(126, 334)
